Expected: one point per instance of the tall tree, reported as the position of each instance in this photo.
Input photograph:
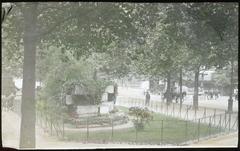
(219, 21)
(76, 27)
(163, 52)
(27, 132)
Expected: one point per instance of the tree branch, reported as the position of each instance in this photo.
(216, 30)
(57, 24)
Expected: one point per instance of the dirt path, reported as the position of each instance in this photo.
(229, 140)
(123, 126)
(11, 129)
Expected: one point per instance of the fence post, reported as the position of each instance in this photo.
(229, 120)
(112, 129)
(186, 129)
(156, 106)
(195, 113)
(198, 129)
(220, 123)
(41, 119)
(51, 126)
(87, 130)
(46, 120)
(225, 117)
(173, 110)
(161, 107)
(237, 122)
(204, 115)
(136, 134)
(180, 108)
(162, 132)
(210, 120)
(63, 126)
(167, 109)
(214, 116)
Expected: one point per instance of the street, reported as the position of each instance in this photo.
(219, 103)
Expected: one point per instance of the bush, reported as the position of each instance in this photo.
(141, 117)
(115, 110)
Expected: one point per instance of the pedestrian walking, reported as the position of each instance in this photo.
(147, 101)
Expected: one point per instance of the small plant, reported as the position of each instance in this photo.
(141, 116)
(115, 110)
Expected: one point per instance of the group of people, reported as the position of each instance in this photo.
(212, 94)
(174, 95)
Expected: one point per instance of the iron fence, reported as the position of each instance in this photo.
(162, 132)
(185, 112)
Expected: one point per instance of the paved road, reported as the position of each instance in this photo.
(220, 103)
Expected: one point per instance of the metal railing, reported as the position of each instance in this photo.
(162, 132)
(185, 112)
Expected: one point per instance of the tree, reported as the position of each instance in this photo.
(62, 77)
(163, 52)
(219, 20)
(45, 23)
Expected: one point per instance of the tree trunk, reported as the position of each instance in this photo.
(195, 96)
(169, 98)
(27, 132)
(180, 85)
(230, 100)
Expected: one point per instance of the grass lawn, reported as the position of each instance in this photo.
(174, 131)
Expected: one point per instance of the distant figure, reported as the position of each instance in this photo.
(236, 96)
(115, 91)
(147, 101)
(215, 93)
(210, 94)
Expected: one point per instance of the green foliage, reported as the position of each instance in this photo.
(62, 77)
(214, 32)
(8, 85)
(221, 77)
(174, 132)
(141, 117)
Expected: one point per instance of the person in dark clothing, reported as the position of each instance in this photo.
(115, 89)
(147, 101)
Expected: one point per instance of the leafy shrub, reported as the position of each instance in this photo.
(141, 117)
(61, 78)
(115, 110)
